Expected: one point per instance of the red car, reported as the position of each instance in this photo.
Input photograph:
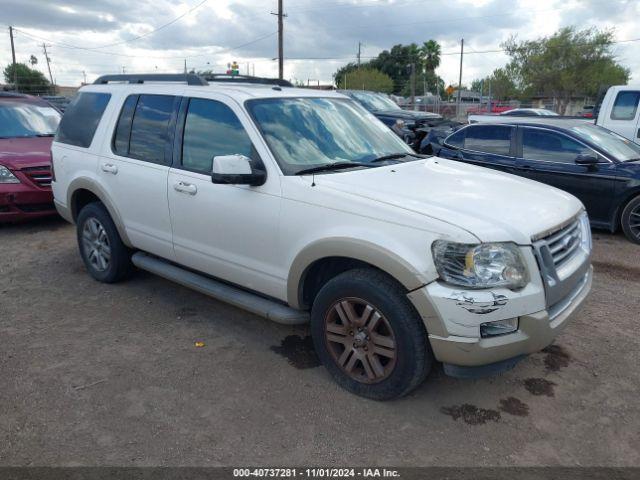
(27, 126)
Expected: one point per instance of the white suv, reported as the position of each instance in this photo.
(300, 205)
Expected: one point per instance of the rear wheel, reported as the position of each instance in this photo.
(369, 336)
(107, 259)
(630, 220)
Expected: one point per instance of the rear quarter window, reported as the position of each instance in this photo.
(81, 119)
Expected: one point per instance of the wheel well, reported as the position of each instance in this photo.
(80, 199)
(323, 270)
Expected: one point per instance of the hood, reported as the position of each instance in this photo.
(406, 114)
(492, 206)
(17, 153)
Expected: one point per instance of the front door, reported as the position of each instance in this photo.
(550, 157)
(227, 231)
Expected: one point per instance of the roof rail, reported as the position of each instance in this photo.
(225, 77)
(189, 78)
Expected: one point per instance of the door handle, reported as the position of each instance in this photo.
(109, 168)
(526, 168)
(184, 187)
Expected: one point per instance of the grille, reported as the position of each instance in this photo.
(564, 243)
(41, 176)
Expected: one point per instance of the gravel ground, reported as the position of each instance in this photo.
(94, 374)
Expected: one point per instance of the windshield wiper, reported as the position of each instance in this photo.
(331, 166)
(395, 156)
(45, 134)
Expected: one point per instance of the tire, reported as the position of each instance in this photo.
(98, 238)
(361, 361)
(630, 220)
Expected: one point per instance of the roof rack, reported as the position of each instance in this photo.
(189, 78)
(225, 77)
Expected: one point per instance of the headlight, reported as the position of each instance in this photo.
(6, 176)
(585, 237)
(482, 265)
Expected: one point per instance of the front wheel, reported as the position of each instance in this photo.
(104, 254)
(368, 335)
(630, 220)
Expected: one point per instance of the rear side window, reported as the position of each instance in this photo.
(149, 135)
(488, 139)
(550, 146)
(625, 106)
(211, 129)
(81, 119)
(456, 140)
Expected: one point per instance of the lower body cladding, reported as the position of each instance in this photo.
(21, 202)
(482, 332)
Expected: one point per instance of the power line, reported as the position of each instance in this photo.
(75, 47)
(157, 29)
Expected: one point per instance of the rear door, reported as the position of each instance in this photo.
(136, 168)
(624, 117)
(549, 156)
(491, 146)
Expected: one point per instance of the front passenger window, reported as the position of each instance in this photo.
(549, 146)
(212, 129)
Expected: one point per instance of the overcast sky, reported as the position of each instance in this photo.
(99, 36)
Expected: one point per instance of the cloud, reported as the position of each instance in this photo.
(322, 35)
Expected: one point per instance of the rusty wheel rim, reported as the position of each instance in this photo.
(360, 340)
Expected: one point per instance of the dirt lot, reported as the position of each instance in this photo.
(94, 374)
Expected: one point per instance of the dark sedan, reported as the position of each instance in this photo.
(596, 165)
(410, 125)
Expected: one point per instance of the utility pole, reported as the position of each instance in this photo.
(413, 85)
(13, 56)
(123, 70)
(280, 15)
(185, 66)
(359, 45)
(46, 57)
(460, 79)
(84, 74)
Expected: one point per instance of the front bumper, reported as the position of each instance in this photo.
(19, 201)
(535, 330)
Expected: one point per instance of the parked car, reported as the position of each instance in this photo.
(596, 165)
(529, 112)
(57, 101)
(299, 206)
(405, 123)
(619, 111)
(27, 126)
(587, 111)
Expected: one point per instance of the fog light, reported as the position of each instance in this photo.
(500, 327)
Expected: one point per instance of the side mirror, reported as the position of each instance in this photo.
(236, 170)
(587, 159)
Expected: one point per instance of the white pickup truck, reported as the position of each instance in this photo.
(618, 112)
(299, 205)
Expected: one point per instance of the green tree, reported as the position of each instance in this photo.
(396, 63)
(503, 83)
(566, 64)
(29, 79)
(366, 79)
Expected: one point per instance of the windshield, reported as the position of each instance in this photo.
(613, 144)
(311, 132)
(21, 119)
(375, 101)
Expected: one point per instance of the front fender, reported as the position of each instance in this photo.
(356, 249)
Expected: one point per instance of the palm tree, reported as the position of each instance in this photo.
(430, 55)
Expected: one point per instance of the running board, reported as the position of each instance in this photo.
(237, 297)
